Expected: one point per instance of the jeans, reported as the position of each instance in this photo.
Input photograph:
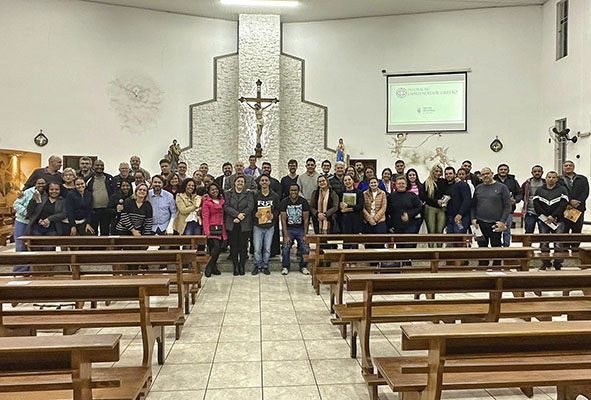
(489, 236)
(452, 227)
(19, 230)
(530, 221)
(507, 232)
(38, 230)
(262, 239)
(215, 247)
(380, 227)
(295, 234)
(545, 247)
(192, 228)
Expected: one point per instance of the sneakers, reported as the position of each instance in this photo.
(304, 271)
(284, 271)
(255, 271)
(266, 271)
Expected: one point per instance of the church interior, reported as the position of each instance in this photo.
(430, 82)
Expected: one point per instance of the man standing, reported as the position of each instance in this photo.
(135, 163)
(249, 182)
(295, 214)
(51, 173)
(182, 170)
(163, 206)
(252, 169)
(308, 182)
(101, 186)
(458, 207)
(226, 173)
(326, 166)
(204, 168)
(550, 202)
(529, 189)
(85, 165)
(359, 168)
(578, 191)
(491, 206)
(336, 181)
(267, 211)
(275, 186)
(400, 166)
(289, 179)
(164, 169)
(503, 176)
(124, 175)
(467, 165)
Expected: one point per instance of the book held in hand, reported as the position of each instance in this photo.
(350, 199)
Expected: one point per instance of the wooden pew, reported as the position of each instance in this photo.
(434, 256)
(50, 367)
(373, 310)
(6, 225)
(75, 259)
(529, 239)
(500, 355)
(149, 320)
(322, 242)
(193, 242)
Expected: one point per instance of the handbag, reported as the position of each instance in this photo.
(216, 230)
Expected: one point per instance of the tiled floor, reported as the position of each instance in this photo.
(268, 337)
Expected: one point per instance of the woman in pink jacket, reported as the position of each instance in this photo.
(214, 228)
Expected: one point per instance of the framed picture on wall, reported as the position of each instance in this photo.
(72, 161)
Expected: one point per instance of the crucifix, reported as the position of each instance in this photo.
(258, 111)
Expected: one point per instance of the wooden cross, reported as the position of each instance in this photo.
(258, 110)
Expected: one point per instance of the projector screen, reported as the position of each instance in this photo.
(434, 102)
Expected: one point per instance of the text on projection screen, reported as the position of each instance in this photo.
(426, 103)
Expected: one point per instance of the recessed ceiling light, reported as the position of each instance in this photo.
(261, 3)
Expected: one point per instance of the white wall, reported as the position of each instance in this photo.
(502, 46)
(566, 87)
(58, 57)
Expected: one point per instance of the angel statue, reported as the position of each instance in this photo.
(398, 144)
(341, 151)
(173, 155)
(441, 154)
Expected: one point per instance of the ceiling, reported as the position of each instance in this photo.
(317, 10)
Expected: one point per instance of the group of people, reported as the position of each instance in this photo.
(246, 204)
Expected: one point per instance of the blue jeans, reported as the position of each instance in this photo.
(192, 228)
(545, 247)
(530, 221)
(452, 227)
(295, 234)
(380, 227)
(19, 230)
(262, 239)
(507, 232)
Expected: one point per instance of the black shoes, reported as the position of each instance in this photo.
(266, 271)
(255, 271)
(216, 271)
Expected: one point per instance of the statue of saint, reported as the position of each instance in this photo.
(174, 154)
(341, 151)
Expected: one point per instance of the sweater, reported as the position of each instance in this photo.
(78, 207)
(400, 203)
(460, 200)
(491, 202)
(308, 184)
(578, 189)
(551, 202)
(136, 218)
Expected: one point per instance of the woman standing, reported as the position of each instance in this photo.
(351, 207)
(433, 196)
(415, 186)
(324, 204)
(368, 173)
(238, 207)
(68, 177)
(188, 204)
(21, 220)
(173, 184)
(115, 205)
(374, 210)
(387, 181)
(136, 216)
(79, 209)
(213, 226)
(45, 216)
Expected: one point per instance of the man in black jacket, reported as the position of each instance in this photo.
(578, 191)
(101, 186)
(550, 201)
(503, 176)
(459, 205)
(226, 173)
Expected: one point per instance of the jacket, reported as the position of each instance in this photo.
(116, 199)
(111, 186)
(525, 189)
(579, 190)
(551, 202)
(331, 209)
(34, 210)
(460, 201)
(249, 182)
(513, 187)
(236, 203)
(213, 214)
(20, 205)
(380, 208)
(440, 188)
(400, 203)
(78, 207)
(185, 205)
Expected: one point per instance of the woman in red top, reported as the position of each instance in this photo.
(212, 212)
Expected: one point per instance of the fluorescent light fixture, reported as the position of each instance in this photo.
(261, 3)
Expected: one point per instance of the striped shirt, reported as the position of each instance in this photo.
(136, 218)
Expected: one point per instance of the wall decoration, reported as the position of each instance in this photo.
(137, 101)
(41, 140)
(496, 145)
(15, 166)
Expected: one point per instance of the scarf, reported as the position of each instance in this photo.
(323, 196)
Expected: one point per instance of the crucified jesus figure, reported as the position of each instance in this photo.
(258, 112)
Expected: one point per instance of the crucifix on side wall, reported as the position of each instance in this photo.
(258, 110)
